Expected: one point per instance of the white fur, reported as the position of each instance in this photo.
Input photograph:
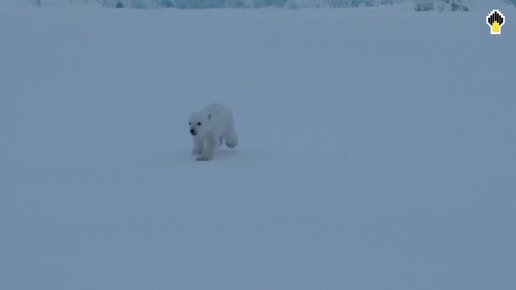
(216, 125)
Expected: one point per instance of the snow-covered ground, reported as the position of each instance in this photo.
(419, 5)
(378, 149)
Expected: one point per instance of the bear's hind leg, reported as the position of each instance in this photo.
(230, 137)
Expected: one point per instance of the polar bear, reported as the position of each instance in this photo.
(209, 128)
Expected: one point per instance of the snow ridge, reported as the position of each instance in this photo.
(419, 5)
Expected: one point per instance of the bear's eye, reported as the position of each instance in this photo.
(199, 123)
(190, 123)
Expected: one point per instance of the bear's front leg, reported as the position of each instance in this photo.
(210, 144)
(197, 147)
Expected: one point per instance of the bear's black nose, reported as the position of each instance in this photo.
(192, 131)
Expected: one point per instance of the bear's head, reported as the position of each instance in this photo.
(199, 124)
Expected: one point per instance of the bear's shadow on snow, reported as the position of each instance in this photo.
(219, 155)
(224, 154)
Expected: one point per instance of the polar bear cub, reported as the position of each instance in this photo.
(209, 128)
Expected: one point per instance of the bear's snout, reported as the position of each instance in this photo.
(192, 131)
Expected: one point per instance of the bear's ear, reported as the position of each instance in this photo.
(209, 117)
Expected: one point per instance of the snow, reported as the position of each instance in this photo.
(419, 5)
(377, 149)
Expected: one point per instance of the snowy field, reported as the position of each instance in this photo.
(377, 149)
